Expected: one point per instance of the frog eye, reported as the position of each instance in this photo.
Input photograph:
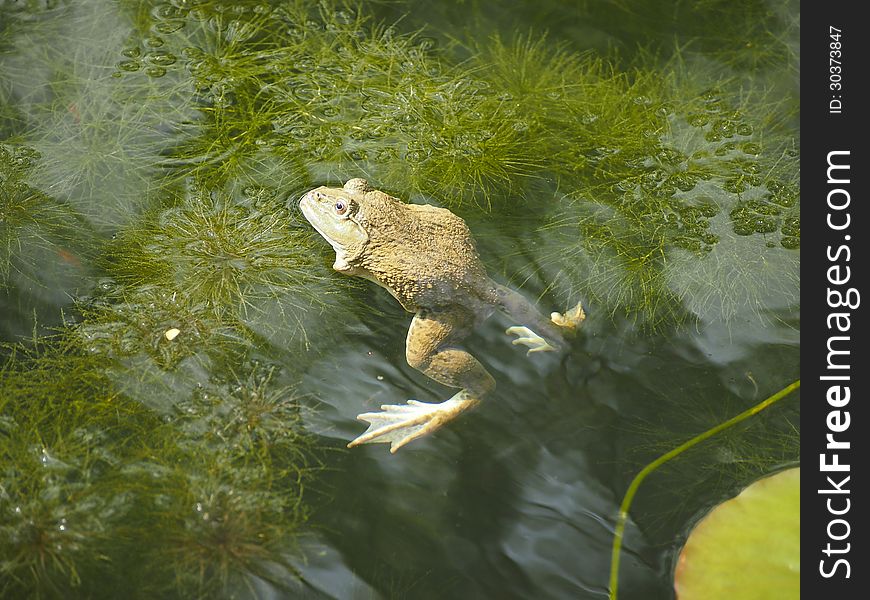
(340, 207)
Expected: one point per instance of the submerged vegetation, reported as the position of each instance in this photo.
(196, 495)
(151, 155)
(653, 189)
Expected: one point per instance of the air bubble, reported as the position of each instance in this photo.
(129, 65)
(169, 26)
(690, 244)
(304, 93)
(107, 285)
(723, 127)
(665, 109)
(725, 148)
(161, 58)
(708, 209)
(683, 181)
(164, 11)
(710, 238)
(786, 199)
(670, 156)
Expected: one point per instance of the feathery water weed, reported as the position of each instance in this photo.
(219, 250)
(100, 138)
(210, 484)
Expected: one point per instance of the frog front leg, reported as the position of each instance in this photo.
(533, 329)
(431, 349)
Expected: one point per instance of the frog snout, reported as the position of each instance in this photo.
(307, 199)
(311, 197)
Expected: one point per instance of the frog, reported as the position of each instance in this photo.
(426, 258)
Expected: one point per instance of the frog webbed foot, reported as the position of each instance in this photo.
(527, 337)
(571, 319)
(398, 424)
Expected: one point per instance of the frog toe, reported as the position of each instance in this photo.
(399, 424)
(527, 337)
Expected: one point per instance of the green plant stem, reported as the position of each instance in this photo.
(635, 483)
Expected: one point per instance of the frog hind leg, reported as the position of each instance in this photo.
(430, 349)
(535, 331)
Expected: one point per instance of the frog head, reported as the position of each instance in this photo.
(338, 215)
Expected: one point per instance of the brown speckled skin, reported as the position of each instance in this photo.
(425, 256)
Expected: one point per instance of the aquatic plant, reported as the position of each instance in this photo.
(27, 214)
(656, 221)
(761, 528)
(670, 455)
(754, 37)
(377, 102)
(45, 248)
(99, 144)
(59, 504)
(645, 167)
(232, 513)
(219, 262)
(211, 483)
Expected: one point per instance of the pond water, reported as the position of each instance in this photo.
(183, 368)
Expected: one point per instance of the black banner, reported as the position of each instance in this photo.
(834, 172)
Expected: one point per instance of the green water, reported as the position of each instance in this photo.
(182, 368)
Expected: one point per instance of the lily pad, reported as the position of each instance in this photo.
(748, 547)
